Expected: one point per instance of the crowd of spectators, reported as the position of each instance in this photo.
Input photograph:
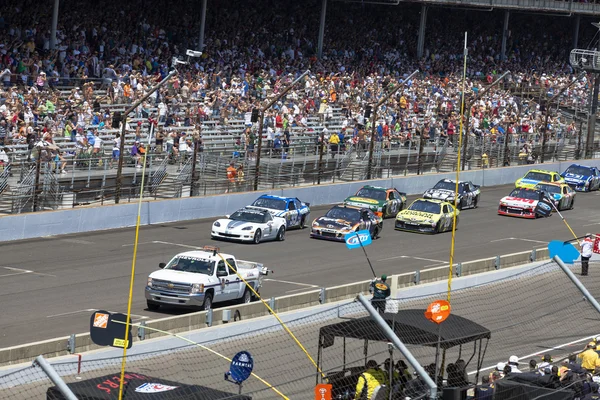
(578, 373)
(112, 52)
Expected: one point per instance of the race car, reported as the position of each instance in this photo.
(427, 216)
(535, 176)
(249, 225)
(342, 219)
(526, 203)
(468, 193)
(295, 212)
(384, 202)
(561, 194)
(582, 178)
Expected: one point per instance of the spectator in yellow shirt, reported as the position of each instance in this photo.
(589, 357)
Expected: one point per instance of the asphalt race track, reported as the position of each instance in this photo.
(51, 285)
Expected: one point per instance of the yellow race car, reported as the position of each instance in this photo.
(535, 176)
(427, 216)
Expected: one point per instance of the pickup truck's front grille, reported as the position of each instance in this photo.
(167, 286)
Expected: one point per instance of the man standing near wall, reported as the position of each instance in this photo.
(587, 246)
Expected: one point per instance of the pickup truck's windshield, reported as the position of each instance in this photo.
(191, 264)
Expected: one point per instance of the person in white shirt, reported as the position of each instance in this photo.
(587, 248)
(513, 363)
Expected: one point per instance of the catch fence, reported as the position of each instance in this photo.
(529, 314)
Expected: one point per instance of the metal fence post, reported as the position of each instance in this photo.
(141, 333)
(459, 270)
(322, 297)
(71, 343)
(533, 255)
(417, 277)
(588, 296)
(399, 345)
(497, 262)
(209, 317)
(55, 378)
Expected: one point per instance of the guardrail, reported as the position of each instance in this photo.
(82, 342)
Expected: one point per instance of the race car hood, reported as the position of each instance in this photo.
(418, 215)
(336, 224)
(354, 200)
(439, 194)
(575, 177)
(526, 183)
(518, 202)
(234, 225)
(181, 276)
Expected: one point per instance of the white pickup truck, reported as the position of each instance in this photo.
(200, 278)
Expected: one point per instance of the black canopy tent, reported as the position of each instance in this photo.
(411, 327)
(139, 387)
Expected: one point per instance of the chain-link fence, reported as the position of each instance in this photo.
(532, 313)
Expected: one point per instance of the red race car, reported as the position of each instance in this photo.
(526, 203)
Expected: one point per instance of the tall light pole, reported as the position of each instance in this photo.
(468, 118)
(589, 60)
(119, 179)
(261, 123)
(548, 103)
(373, 125)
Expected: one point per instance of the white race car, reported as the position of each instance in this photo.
(249, 225)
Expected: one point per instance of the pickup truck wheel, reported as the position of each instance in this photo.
(207, 305)
(257, 236)
(152, 306)
(281, 234)
(247, 297)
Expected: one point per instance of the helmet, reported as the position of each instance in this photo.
(383, 277)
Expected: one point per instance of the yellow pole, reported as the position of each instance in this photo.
(289, 332)
(458, 158)
(209, 350)
(135, 247)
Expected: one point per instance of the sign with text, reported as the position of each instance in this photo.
(438, 311)
(108, 329)
(323, 391)
(356, 239)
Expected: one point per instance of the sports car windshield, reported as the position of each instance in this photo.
(247, 217)
(576, 170)
(538, 176)
(525, 194)
(425, 206)
(550, 188)
(274, 204)
(347, 214)
(371, 194)
(448, 186)
(191, 264)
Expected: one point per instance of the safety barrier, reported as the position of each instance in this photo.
(34, 225)
(400, 284)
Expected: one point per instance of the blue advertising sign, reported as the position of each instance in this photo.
(566, 251)
(354, 239)
(241, 366)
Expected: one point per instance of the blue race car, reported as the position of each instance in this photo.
(582, 178)
(295, 212)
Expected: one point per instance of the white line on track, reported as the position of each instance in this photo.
(595, 223)
(70, 313)
(20, 271)
(292, 283)
(169, 243)
(416, 258)
(537, 353)
(523, 240)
